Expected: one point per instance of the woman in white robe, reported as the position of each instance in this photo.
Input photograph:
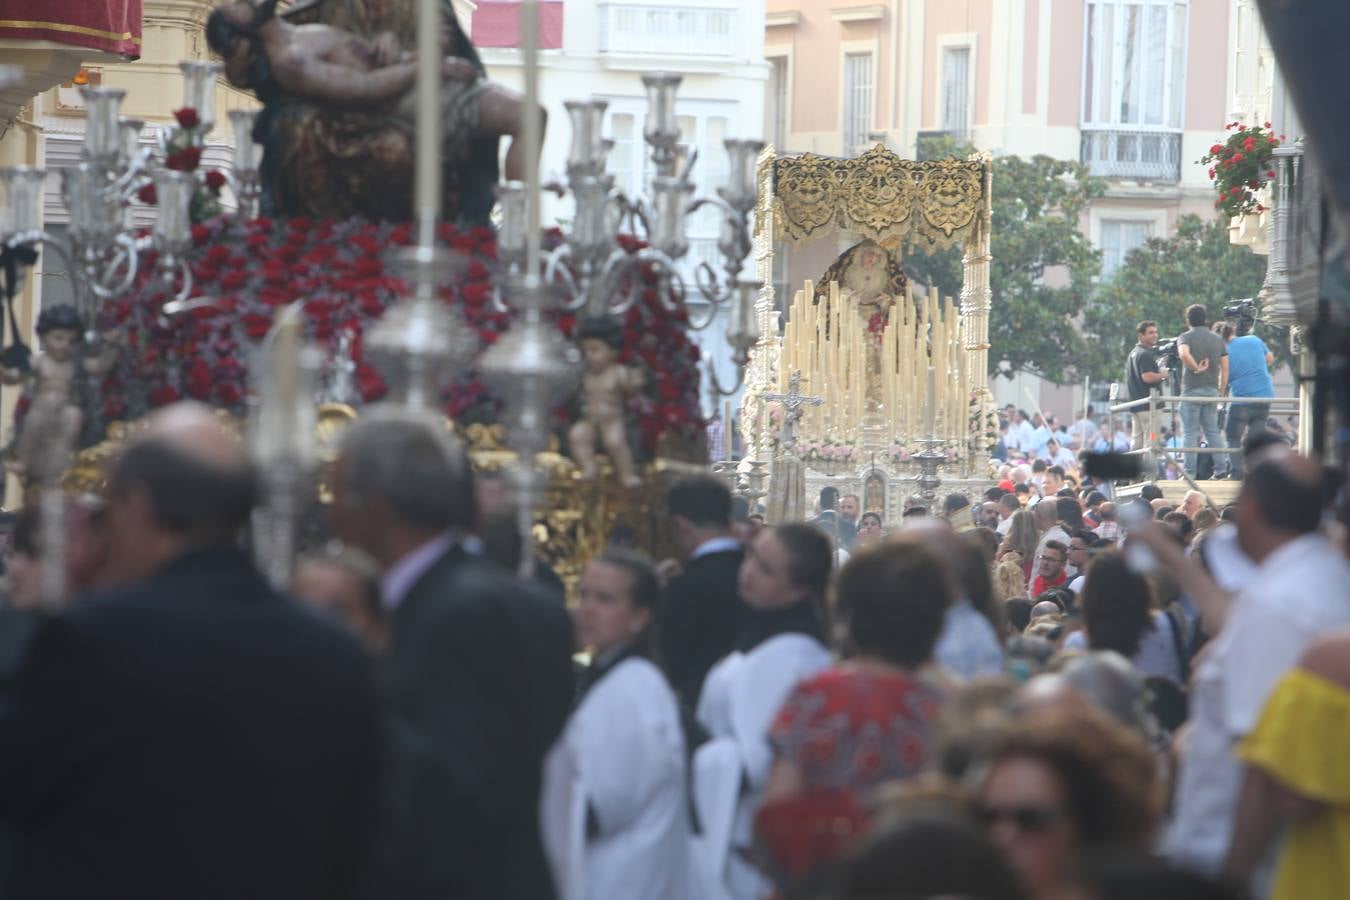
(782, 641)
(614, 807)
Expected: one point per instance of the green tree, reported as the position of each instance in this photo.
(1037, 204)
(1158, 280)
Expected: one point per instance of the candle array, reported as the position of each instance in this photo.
(886, 381)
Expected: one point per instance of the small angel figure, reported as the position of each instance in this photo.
(605, 389)
(54, 419)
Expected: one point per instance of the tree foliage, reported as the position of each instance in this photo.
(1037, 203)
(1158, 280)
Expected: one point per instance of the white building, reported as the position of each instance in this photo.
(602, 50)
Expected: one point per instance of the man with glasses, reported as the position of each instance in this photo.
(1079, 555)
(1051, 572)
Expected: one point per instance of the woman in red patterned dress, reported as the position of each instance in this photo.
(869, 719)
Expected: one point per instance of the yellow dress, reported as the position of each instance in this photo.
(1301, 741)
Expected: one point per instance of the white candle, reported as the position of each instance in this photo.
(287, 359)
(530, 41)
(930, 402)
(427, 202)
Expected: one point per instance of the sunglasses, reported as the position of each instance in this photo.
(1026, 819)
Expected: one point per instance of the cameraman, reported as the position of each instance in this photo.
(1205, 357)
(1248, 376)
(1142, 375)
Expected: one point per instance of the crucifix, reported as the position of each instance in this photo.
(792, 401)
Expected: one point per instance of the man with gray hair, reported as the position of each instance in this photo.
(478, 675)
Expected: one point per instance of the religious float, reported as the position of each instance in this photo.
(317, 295)
(873, 387)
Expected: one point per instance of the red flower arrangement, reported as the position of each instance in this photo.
(183, 154)
(337, 268)
(1241, 166)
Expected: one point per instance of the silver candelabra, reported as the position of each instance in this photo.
(596, 267)
(102, 248)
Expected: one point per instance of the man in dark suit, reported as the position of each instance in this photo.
(702, 608)
(478, 676)
(192, 734)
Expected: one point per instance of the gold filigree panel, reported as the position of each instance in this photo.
(932, 204)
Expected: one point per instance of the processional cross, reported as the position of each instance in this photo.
(793, 401)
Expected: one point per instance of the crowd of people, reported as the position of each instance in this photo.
(1046, 694)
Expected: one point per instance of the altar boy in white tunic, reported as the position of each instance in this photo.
(782, 641)
(615, 811)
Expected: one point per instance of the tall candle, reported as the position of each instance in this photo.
(286, 355)
(532, 136)
(427, 187)
(930, 402)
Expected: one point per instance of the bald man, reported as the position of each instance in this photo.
(190, 733)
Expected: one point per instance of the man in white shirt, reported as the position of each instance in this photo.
(1298, 592)
(1024, 433)
(1007, 505)
(1040, 436)
(1082, 432)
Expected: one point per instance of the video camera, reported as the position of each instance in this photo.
(1168, 357)
(1242, 313)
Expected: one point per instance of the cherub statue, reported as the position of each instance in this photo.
(52, 379)
(605, 389)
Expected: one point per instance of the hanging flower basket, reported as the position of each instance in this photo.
(1240, 167)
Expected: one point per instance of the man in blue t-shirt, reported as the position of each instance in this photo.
(1248, 376)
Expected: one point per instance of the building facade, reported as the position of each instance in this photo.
(601, 50)
(1135, 89)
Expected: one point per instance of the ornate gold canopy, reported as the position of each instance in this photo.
(933, 204)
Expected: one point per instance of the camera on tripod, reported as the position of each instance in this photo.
(1167, 355)
(1242, 313)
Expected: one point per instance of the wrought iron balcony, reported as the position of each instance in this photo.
(1141, 155)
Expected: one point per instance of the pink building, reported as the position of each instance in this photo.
(1137, 89)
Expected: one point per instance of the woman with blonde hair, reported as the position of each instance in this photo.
(1015, 556)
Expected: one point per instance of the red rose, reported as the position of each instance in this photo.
(228, 393)
(215, 180)
(185, 160)
(367, 268)
(1235, 190)
(369, 382)
(187, 117)
(147, 194)
(1237, 158)
(1249, 144)
(1270, 173)
(163, 395)
(1216, 149)
(197, 381)
(476, 294)
(1211, 172)
(200, 234)
(276, 295)
(476, 271)
(256, 325)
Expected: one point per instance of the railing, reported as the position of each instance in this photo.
(1150, 407)
(668, 29)
(1145, 155)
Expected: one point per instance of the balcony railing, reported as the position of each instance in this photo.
(1140, 155)
(668, 29)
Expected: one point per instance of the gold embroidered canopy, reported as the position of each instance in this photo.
(932, 204)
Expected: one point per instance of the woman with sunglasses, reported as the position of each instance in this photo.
(1064, 782)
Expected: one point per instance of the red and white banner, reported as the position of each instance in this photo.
(113, 26)
(496, 23)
